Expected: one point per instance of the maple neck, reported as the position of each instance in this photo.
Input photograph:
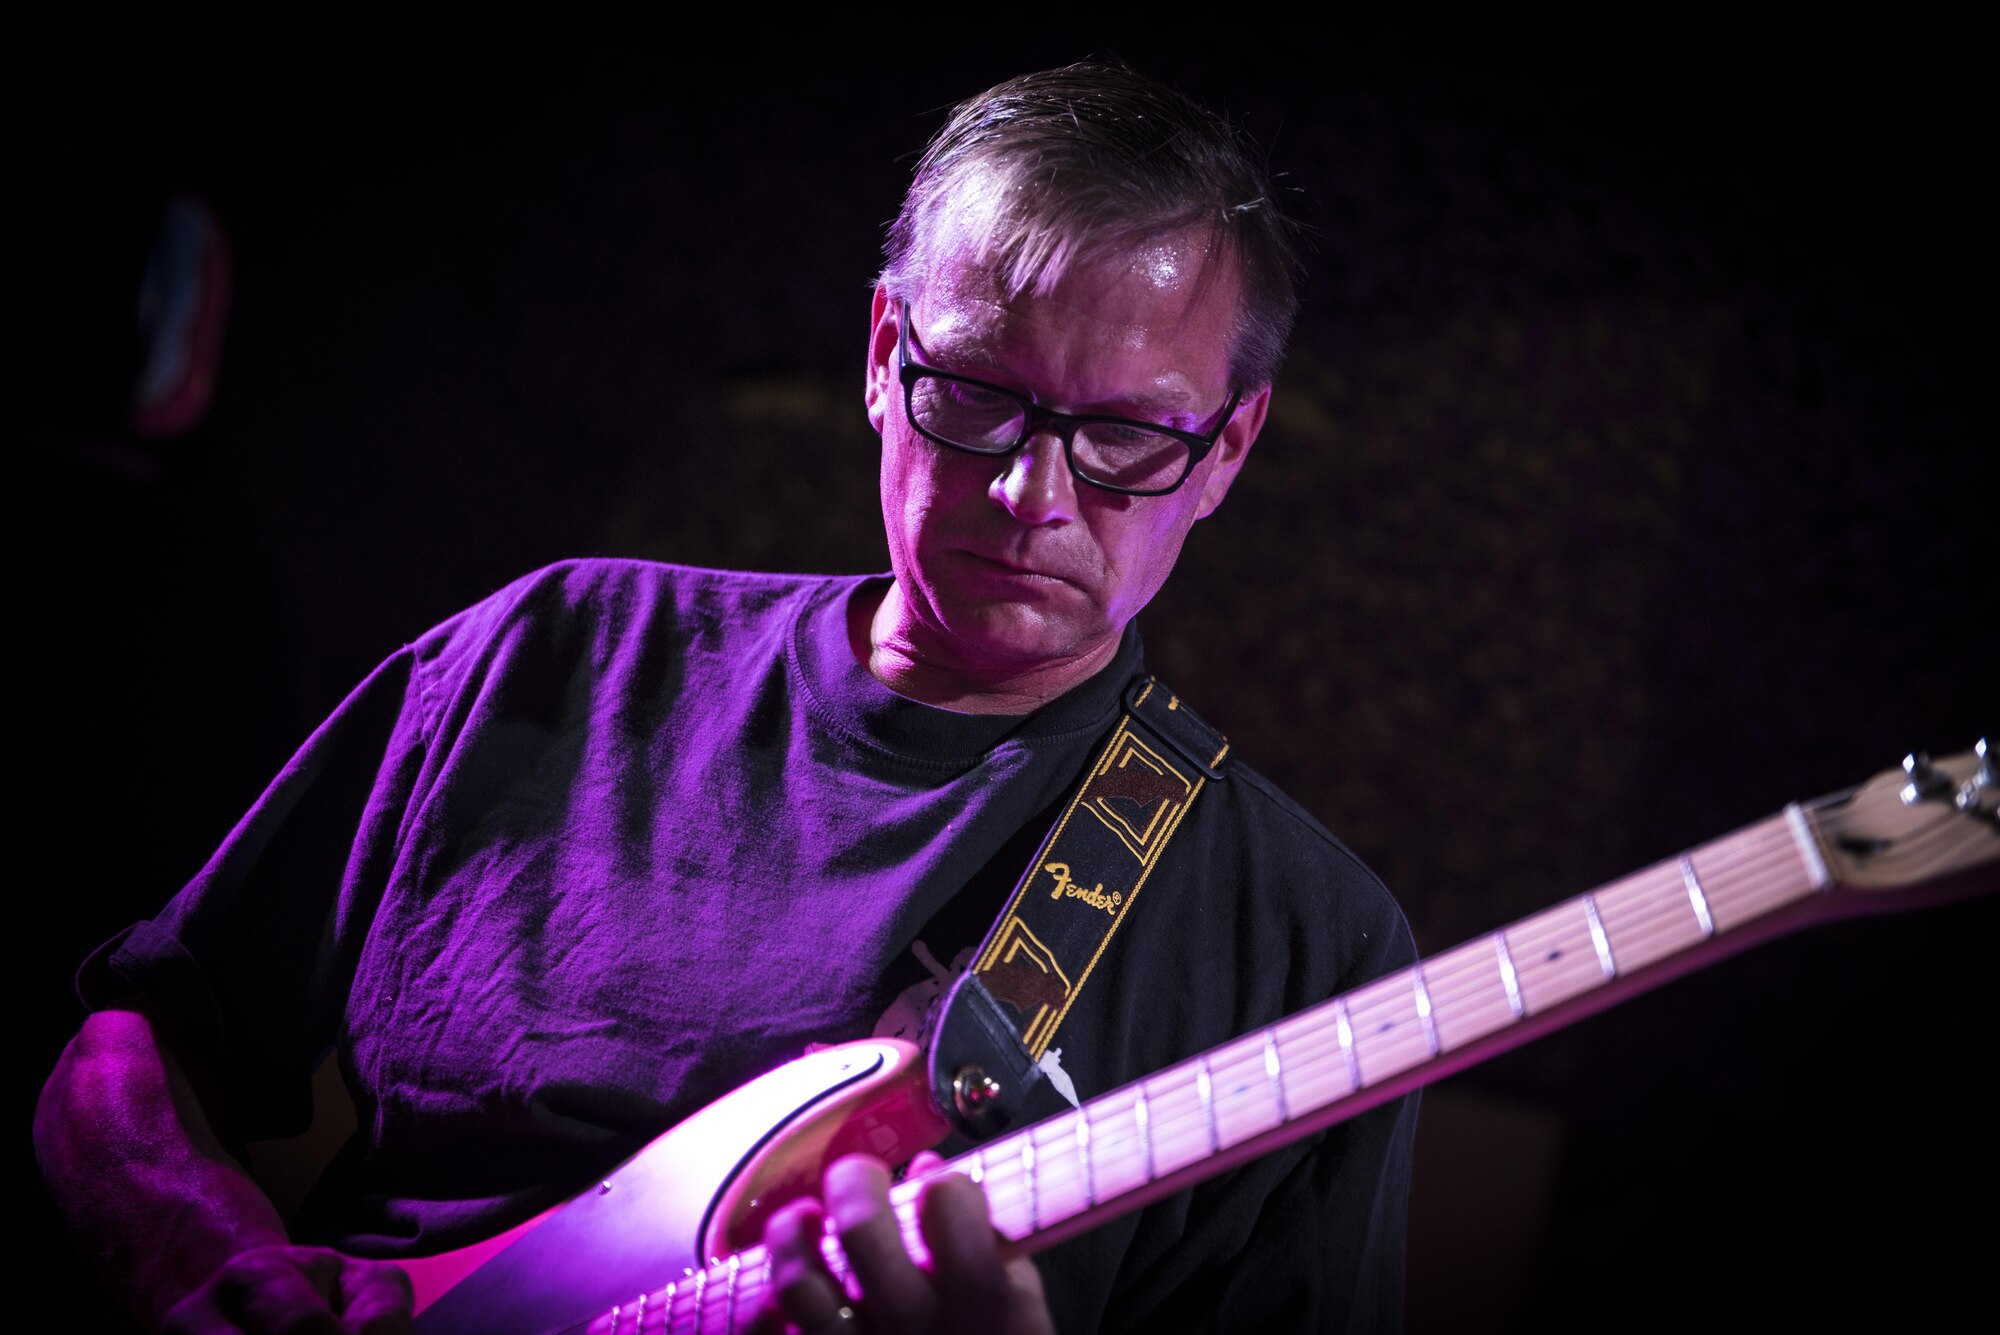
(1323, 1065)
(1064, 1175)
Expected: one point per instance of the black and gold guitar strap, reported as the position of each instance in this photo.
(1082, 884)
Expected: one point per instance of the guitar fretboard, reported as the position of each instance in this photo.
(1323, 1065)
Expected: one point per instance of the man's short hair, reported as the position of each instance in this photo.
(1090, 161)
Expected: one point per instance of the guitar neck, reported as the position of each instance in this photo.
(1062, 1176)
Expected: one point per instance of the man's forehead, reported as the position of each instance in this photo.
(1176, 287)
(1149, 337)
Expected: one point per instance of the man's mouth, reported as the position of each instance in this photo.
(1000, 565)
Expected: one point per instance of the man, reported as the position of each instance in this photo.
(623, 836)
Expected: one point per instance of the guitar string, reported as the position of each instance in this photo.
(1308, 1054)
(1735, 870)
(1310, 1048)
(1763, 866)
(1761, 849)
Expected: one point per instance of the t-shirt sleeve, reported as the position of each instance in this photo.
(247, 968)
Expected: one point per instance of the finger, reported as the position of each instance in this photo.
(966, 1262)
(375, 1298)
(280, 1290)
(899, 1297)
(805, 1294)
(965, 1253)
(926, 1162)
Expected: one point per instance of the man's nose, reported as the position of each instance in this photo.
(1037, 487)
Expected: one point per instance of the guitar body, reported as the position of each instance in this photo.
(702, 1190)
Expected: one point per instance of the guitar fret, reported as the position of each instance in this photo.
(1179, 1120)
(1105, 1148)
(1508, 978)
(1649, 917)
(1083, 1151)
(1388, 1036)
(1423, 999)
(1275, 1071)
(700, 1291)
(1697, 897)
(1752, 872)
(1598, 941)
(1142, 1116)
(1344, 1028)
(1555, 957)
(1204, 1084)
(1010, 1206)
(1028, 1170)
(1467, 988)
(1062, 1168)
(1816, 873)
(1315, 1075)
(729, 1301)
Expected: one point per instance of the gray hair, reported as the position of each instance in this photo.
(1086, 162)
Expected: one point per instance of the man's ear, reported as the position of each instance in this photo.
(1225, 461)
(879, 389)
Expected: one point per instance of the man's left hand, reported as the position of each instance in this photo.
(965, 1289)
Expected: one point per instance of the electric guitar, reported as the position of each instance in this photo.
(669, 1241)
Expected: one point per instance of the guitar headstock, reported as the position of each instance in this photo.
(1930, 827)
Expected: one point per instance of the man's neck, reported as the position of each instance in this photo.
(879, 631)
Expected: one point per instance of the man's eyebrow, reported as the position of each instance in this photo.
(972, 356)
(971, 353)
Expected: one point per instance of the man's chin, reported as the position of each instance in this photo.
(1015, 641)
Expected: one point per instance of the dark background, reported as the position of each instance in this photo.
(1628, 479)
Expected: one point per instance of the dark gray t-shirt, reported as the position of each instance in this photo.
(624, 836)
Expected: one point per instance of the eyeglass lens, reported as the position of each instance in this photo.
(976, 418)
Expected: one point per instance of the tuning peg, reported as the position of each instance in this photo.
(1973, 790)
(1925, 779)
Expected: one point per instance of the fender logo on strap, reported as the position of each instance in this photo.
(1097, 899)
(1143, 783)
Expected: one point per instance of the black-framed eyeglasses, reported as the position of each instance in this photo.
(1115, 453)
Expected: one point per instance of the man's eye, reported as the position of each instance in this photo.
(1123, 433)
(972, 398)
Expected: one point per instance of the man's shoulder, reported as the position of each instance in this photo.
(600, 585)
(602, 627)
(592, 595)
(1296, 868)
(1269, 813)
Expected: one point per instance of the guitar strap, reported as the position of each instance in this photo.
(1001, 1015)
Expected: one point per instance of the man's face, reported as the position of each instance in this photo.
(1010, 565)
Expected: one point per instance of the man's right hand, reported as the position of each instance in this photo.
(287, 1290)
(183, 1236)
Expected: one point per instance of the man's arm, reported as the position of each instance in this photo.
(177, 1227)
